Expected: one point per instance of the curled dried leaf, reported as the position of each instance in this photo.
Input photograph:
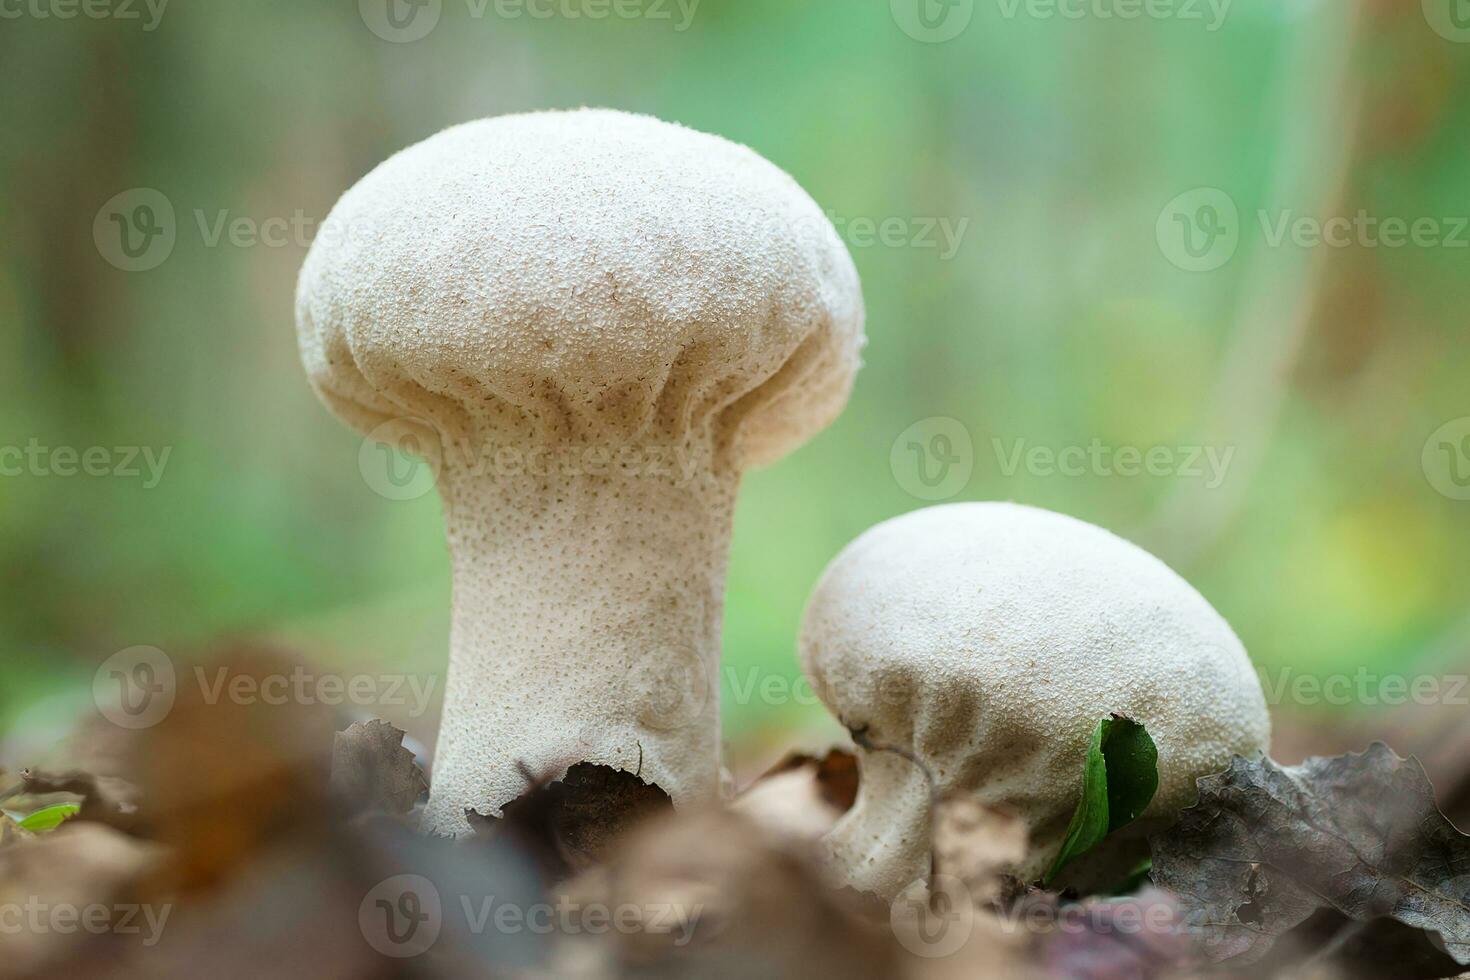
(570, 824)
(83, 866)
(720, 897)
(1267, 847)
(371, 770)
(802, 797)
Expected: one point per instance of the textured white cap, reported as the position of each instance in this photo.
(583, 275)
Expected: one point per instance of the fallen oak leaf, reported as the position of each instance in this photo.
(571, 823)
(224, 779)
(721, 898)
(593, 806)
(837, 777)
(1329, 944)
(1268, 846)
(802, 796)
(371, 770)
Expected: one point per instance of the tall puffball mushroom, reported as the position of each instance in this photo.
(979, 645)
(593, 322)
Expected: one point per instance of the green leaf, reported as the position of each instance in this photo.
(48, 818)
(1132, 770)
(1119, 777)
(1136, 878)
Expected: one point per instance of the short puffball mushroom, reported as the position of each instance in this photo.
(983, 642)
(593, 321)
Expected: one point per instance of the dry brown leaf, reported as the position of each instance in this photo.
(723, 899)
(223, 777)
(371, 770)
(802, 797)
(1267, 847)
(573, 823)
(54, 883)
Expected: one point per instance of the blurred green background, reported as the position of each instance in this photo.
(1028, 171)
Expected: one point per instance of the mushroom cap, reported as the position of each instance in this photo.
(583, 275)
(990, 638)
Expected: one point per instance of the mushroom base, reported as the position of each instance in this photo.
(586, 628)
(882, 845)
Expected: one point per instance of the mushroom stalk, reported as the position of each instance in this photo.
(586, 628)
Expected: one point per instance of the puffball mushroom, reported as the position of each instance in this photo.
(983, 642)
(593, 322)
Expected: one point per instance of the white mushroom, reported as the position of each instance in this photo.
(983, 642)
(594, 322)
